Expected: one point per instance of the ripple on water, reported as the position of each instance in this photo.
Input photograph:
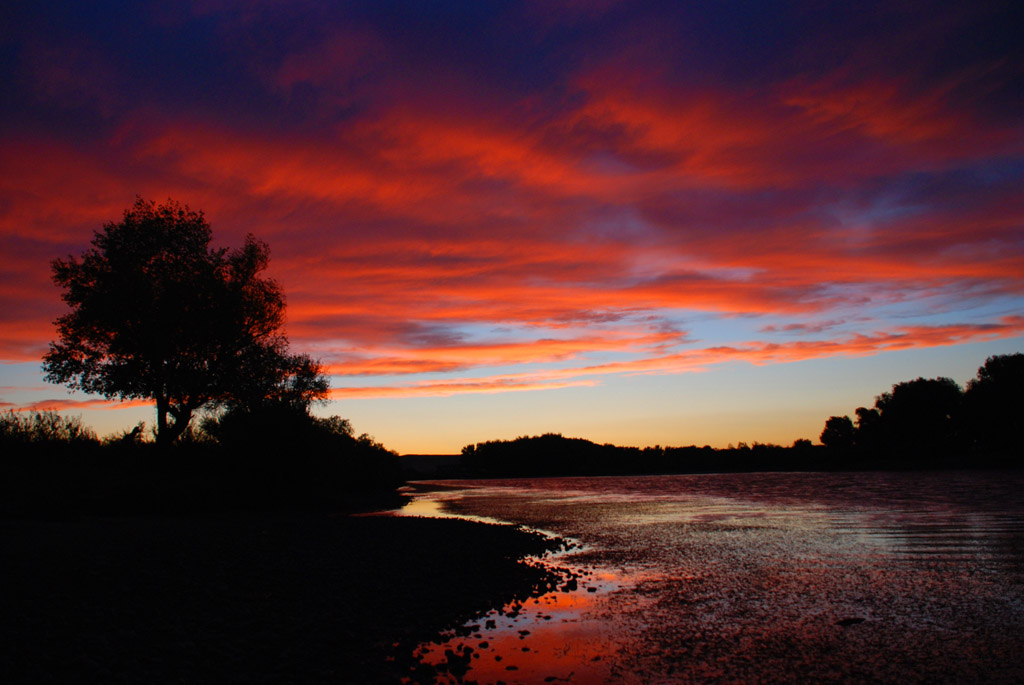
(760, 577)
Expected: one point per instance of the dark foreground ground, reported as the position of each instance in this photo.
(246, 597)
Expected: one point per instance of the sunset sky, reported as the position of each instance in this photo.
(635, 222)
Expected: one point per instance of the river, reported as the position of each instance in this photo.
(853, 577)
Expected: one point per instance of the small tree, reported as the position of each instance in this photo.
(838, 432)
(156, 313)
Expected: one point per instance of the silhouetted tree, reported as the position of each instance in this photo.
(838, 432)
(868, 433)
(156, 313)
(920, 414)
(995, 404)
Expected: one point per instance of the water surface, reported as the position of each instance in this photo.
(756, 578)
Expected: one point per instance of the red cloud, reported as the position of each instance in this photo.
(627, 203)
(335, 63)
(697, 360)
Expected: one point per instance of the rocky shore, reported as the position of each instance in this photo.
(297, 597)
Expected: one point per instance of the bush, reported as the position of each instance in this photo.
(43, 428)
(282, 453)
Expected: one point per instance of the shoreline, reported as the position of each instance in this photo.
(254, 597)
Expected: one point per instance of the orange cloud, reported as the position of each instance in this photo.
(427, 358)
(24, 341)
(697, 360)
(71, 405)
(459, 387)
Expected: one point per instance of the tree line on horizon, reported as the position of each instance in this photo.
(923, 423)
(936, 415)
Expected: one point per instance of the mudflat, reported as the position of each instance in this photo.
(246, 597)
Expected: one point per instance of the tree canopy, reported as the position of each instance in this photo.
(995, 403)
(921, 413)
(838, 432)
(157, 313)
(935, 416)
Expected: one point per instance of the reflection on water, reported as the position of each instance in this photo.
(758, 577)
(546, 639)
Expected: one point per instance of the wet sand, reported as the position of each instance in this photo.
(247, 597)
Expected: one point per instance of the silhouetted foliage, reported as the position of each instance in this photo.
(920, 414)
(264, 459)
(869, 428)
(291, 456)
(932, 422)
(544, 455)
(554, 455)
(923, 423)
(994, 404)
(838, 432)
(43, 428)
(136, 435)
(156, 313)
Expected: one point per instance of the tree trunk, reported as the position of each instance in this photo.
(162, 432)
(182, 415)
